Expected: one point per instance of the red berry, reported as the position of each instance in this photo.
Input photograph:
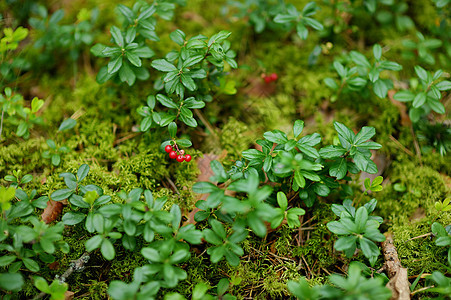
(268, 79)
(180, 158)
(182, 152)
(172, 154)
(273, 77)
(187, 158)
(168, 148)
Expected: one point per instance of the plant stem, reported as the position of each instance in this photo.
(1, 124)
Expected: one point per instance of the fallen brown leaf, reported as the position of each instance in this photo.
(52, 211)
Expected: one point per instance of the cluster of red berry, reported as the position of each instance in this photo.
(269, 78)
(173, 153)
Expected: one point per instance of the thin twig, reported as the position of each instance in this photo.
(420, 236)
(207, 124)
(130, 136)
(422, 289)
(172, 185)
(401, 146)
(417, 146)
(1, 124)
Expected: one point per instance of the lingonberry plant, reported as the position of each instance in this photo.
(426, 96)
(19, 115)
(355, 76)
(443, 235)
(278, 16)
(54, 37)
(22, 244)
(357, 229)
(423, 48)
(355, 286)
(11, 64)
(196, 67)
(130, 42)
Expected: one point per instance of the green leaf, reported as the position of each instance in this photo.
(360, 59)
(204, 187)
(188, 121)
(61, 194)
(36, 104)
(339, 169)
(188, 82)
(172, 128)
(117, 36)
(437, 106)
(151, 254)
(331, 83)
(166, 101)
(126, 74)
(56, 159)
(42, 285)
(11, 281)
(145, 124)
(257, 226)
(299, 179)
(67, 124)
(332, 152)
(377, 51)
(218, 37)
(364, 135)
(222, 287)
(191, 61)
(31, 264)
(404, 96)
(422, 74)
(6, 260)
(184, 143)
(344, 132)
(127, 12)
(302, 31)
(82, 172)
(107, 249)
(369, 248)
(284, 18)
(93, 243)
(133, 58)
(72, 218)
(361, 216)
(282, 200)
(380, 88)
(444, 85)
(178, 37)
(144, 52)
(340, 69)
(276, 136)
(419, 100)
(313, 23)
(365, 164)
(114, 65)
(345, 242)
(22, 129)
(163, 65)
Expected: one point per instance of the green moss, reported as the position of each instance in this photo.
(23, 156)
(424, 187)
(235, 138)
